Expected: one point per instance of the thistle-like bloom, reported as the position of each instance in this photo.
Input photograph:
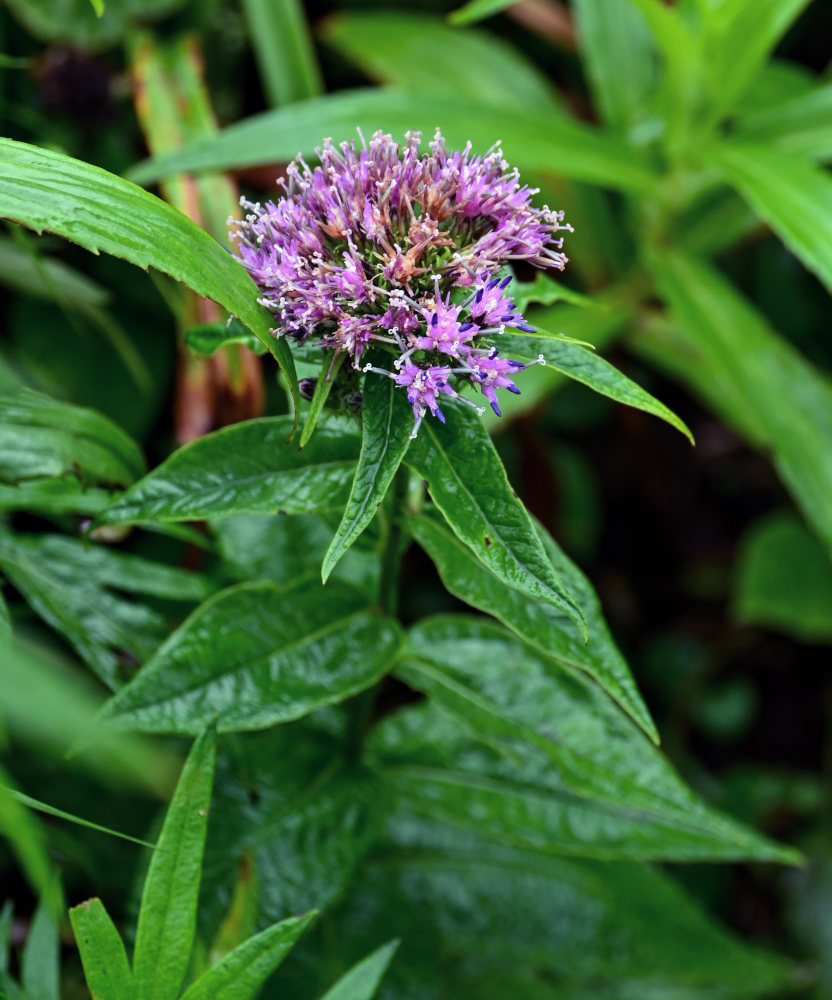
(381, 245)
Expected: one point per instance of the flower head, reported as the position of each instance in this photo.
(385, 244)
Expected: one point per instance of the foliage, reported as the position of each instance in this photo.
(409, 713)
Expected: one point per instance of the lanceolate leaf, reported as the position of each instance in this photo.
(247, 468)
(39, 966)
(536, 621)
(801, 125)
(531, 140)
(737, 37)
(363, 979)
(73, 585)
(510, 791)
(240, 974)
(577, 929)
(106, 967)
(555, 725)
(255, 655)
(167, 916)
(756, 366)
(476, 10)
(42, 437)
(792, 196)
(283, 49)
(468, 484)
(424, 54)
(584, 365)
(387, 425)
(619, 55)
(210, 337)
(102, 212)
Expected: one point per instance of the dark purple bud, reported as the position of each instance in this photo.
(434, 319)
(467, 326)
(514, 389)
(478, 296)
(496, 409)
(493, 283)
(517, 364)
(440, 416)
(505, 281)
(526, 328)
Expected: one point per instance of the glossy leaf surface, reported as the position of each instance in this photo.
(74, 586)
(386, 427)
(43, 437)
(536, 621)
(104, 213)
(447, 894)
(585, 366)
(255, 655)
(468, 484)
(557, 767)
(247, 468)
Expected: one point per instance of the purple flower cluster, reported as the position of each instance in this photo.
(381, 245)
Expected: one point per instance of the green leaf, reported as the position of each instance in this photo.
(295, 801)
(240, 974)
(545, 291)
(255, 655)
(44, 807)
(283, 49)
(102, 212)
(6, 917)
(738, 35)
(276, 548)
(512, 792)
(477, 10)
(580, 930)
(792, 196)
(422, 54)
(167, 916)
(387, 425)
(5, 623)
(74, 586)
(536, 621)
(67, 495)
(103, 957)
(362, 980)
(39, 966)
(552, 745)
(77, 24)
(246, 468)
(736, 351)
(468, 484)
(210, 337)
(323, 387)
(619, 57)
(531, 141)
(783, 579)
(584, 365)
(26, 838)
(42, 437)
(800, 125)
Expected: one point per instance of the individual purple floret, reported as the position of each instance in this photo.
(383, 246)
